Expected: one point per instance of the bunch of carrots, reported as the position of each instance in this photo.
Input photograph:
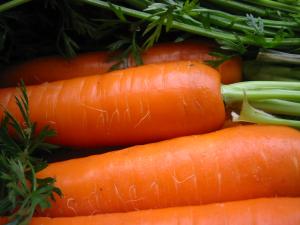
(182, 166)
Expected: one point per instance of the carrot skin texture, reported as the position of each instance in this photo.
(136, 105)
(272, 211)
(232, 164)
(48, 69)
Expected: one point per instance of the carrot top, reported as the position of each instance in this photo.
(265, 102)
(19, 166)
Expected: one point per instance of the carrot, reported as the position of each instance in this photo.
(231, 164)
(54, 68)
(137, 105)
(273, 211)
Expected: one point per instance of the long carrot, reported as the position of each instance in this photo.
(136, 105)
(49, 69)
(231, 164)
(273, 211)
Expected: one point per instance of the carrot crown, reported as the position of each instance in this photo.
(264, 102)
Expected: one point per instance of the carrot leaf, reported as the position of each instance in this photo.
(21, 192)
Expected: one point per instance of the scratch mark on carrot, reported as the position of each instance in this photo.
(91, 207)
(219, 179)
(155, 186)
(196, 186)
(118, 194)
(296, 163)
(132, 191)
(142, 119)
(116, 114)
(263, 156)
(134, 199)
(93, 108)
(177, 181)
(51, 122)
(103, 114)
(127, 110)
(183, 100)
(69, 202)
(96, 194)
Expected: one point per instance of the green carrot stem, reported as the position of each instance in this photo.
(280, 24)
(222, 35)
(256, 70)
(175, 24)
(139, 4)
(277, 106)
(232, 95)
(235, 18)
(270, 77)
(276, 5)
(239, 6)
(226, 23)
(252, 115)
(263, 85)
(280, 98)
(12, 4)
(278, 57)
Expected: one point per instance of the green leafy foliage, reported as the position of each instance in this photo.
(164, 12)
(73, 26)
(21, 192)
(129, 47)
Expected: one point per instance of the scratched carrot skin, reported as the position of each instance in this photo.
(130, 106)
(231, 164)
(272, 211)
(53, 68)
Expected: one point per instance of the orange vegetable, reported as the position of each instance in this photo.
(49, 69)
(231, 164)
(137, 105)
(273, 211)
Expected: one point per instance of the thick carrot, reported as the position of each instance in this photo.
(272, 211)
(136, 105)
(49, 69)
(231, 164)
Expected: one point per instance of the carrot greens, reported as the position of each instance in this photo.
(21, 192)
(76, 25)
(12, 4)
(192, 17)
(265, 102)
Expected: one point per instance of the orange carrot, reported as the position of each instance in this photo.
(49, 69)
(273, 211)
(137, 105)
(231, 164)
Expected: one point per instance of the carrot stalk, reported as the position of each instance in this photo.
(273, 211)
(12, 4)
(256, 70)
(278, 106)
(197, 27)
(253, 115)
(227, 165)
(280, 98)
